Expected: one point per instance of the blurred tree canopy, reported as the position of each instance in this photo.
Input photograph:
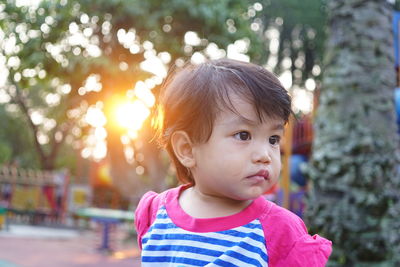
(64, 60)
(301, 26)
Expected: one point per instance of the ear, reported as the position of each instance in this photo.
(182, 146)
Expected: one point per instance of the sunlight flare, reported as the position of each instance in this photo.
(131, 115)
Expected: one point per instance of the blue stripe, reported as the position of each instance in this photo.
(162, 216)
(225, 243)
(254, 249)
(174, 260)
(163, 226)
(243, 258)
(224, 263)
(204, 239)
(236, 233)
(190, 249)
(253, 226)
(190, 237)
(209, 252)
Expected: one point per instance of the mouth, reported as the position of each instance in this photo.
(259, 176)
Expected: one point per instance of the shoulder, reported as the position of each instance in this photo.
(151, 201)
(281, 227)
(284, 220)
(144, 213)
(143, 209)
(288, 242)
(147, 208)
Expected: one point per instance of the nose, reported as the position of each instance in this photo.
(261, 154)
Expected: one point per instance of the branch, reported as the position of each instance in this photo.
(55, 147)
(18, 99)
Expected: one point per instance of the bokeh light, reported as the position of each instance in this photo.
(131, 115)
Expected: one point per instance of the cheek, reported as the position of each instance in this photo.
(278, 163)
(232, 164)
(279, 167)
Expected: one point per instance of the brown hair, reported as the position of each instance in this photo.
(191, 99)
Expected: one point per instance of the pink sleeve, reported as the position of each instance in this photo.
(288, 242)
(144, 215)
(309, 251)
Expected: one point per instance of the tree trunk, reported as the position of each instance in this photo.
(354, 163)
(129, 183)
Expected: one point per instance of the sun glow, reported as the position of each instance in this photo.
(130, 112)
(143, 92)
(125, 114)
(131, 115)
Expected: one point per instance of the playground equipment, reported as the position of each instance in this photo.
(296, 149)
(107, 219)
(396, 44)
(2, 217)
(33, 196)
(397, 103)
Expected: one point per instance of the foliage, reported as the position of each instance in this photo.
(302, 35)
(354, 165)
(397, 5)
(5, 153)
(38, 68)
(51, 49)
(15, 142)
(45, 59)
(48, 65)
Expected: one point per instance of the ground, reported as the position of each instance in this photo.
(33, 246)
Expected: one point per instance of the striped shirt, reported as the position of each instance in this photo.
(165, 242)
(262, 234)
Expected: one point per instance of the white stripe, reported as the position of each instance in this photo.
(178, 254)
(251, 254)
(157, 264)
(186, 243)
(162, 221)
(242, 228)
(245, 230)
(197, 244)
(190, 255)
(239, 229)
(218, 236)
(204, 245)
(236, 261)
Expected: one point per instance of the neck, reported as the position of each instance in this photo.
(199, 204)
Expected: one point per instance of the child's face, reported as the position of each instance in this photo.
(241, 160)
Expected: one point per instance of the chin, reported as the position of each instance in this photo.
(256, 193)
(251, 196)
(245, 195)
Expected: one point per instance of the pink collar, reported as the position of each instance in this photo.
(189, 223)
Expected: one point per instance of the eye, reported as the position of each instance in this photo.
(243, 136)
(274, 140)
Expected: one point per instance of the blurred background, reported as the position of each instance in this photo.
(79, 81)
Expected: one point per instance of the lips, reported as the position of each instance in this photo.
(260, 175)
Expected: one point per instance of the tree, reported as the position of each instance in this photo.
(355, 199)
(301, 26)
(51, 50)
(42, 79)
(159, 28)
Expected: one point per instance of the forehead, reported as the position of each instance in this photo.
(236, 105)
(242, 111)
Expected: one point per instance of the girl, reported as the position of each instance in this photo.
(221, 123)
